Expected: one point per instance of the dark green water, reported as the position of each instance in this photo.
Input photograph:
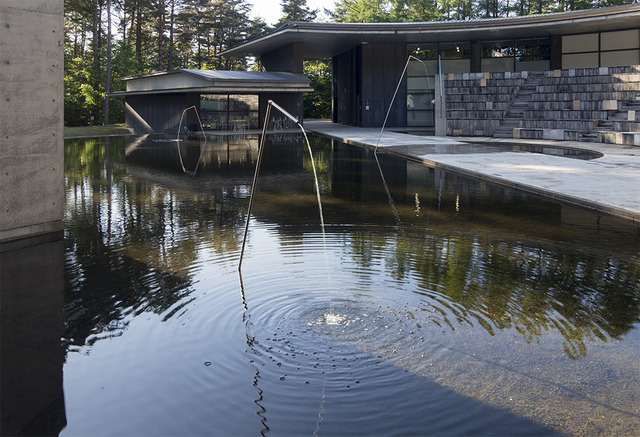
(441, 306)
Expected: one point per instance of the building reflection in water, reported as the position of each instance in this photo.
(31, 284)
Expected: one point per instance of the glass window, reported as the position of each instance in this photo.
(498, 49)
(213, 102)
(424, 51)
(449, 50)
(455, 50)
(224, 111)
(533, 50)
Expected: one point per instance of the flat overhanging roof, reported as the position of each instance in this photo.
(215, 82)
(325, 40)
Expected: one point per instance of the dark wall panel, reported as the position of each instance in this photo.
(286, 59)
(346, 87)
(160, 112)
(292, 103)
(382, 67)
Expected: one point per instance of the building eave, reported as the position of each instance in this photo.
(329, 39)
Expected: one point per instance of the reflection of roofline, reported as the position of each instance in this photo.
(582, 21)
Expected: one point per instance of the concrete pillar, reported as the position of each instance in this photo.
(31, 117)
(440, 106)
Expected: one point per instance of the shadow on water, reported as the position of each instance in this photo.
(489, 288)
(32, 323)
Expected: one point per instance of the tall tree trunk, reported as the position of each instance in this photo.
(170, 63)
(96, 37)
(107, 85)
(124, 22)
(133, 22)
(161, 17)
(75, 44)
(83, 41)
(139, 33)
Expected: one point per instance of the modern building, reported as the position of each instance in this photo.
(478, 65)
(224, 100)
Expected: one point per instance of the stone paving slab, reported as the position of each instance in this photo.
(609, 184)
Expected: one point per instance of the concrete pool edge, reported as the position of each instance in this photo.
(609, 184)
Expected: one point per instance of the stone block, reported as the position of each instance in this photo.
(631, 115)
(489, 106)
(483, 82)
(603, 71)
(576, 105)
(609, 105)
(557, 73)
(516, 133)
(553, 134)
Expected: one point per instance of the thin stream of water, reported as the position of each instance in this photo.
(329, 318)
(202, 145)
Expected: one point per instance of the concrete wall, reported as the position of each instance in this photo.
(31, 117)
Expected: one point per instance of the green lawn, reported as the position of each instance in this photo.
(94, 131)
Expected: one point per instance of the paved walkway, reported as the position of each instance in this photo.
(610, 183)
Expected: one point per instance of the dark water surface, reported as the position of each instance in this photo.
(443, 306)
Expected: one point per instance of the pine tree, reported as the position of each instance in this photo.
(296, 10)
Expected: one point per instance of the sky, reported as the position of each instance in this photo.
(271, 12)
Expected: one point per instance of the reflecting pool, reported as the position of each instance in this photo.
(436, 304)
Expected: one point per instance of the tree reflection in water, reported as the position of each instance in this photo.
(483, 255)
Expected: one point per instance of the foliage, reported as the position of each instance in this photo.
(296, 10)
(369, 11)
(317, 105)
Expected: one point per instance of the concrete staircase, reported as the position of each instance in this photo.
(516, 112)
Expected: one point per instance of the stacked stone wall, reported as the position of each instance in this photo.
(477, 102)
(576, 104)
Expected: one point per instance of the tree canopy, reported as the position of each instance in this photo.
(370, 11)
